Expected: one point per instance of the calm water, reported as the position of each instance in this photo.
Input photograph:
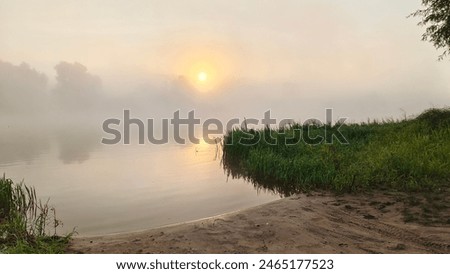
(108, 189)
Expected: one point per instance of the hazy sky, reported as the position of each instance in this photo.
(344, 50)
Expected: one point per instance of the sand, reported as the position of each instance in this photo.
(314, 223)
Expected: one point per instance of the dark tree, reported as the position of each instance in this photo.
(436, 18)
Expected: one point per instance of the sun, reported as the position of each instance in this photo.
(204, 69)
(202, 76)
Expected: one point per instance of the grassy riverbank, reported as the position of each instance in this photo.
(407, 155)
(26, 224)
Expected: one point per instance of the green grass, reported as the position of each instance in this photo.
(26, 224)
(407, 155)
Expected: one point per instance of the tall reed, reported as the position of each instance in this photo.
(411, 154)
(27, 225)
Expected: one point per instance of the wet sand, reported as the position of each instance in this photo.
(314, 223)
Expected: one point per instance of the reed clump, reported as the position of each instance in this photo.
(408, 155)
(27, 225)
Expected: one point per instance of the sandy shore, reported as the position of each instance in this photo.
(317, 223)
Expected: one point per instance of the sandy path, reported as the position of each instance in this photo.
(318, 223)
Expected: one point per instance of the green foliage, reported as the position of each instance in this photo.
(25, 221)
(436, 19)
(404, 155)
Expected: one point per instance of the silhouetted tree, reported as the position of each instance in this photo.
(436, 19)
(22, 89)
(76, 89)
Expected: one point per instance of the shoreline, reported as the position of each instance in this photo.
(167, 226)
(313, 223)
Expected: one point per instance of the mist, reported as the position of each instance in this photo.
(69, 67)
(295, 58)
